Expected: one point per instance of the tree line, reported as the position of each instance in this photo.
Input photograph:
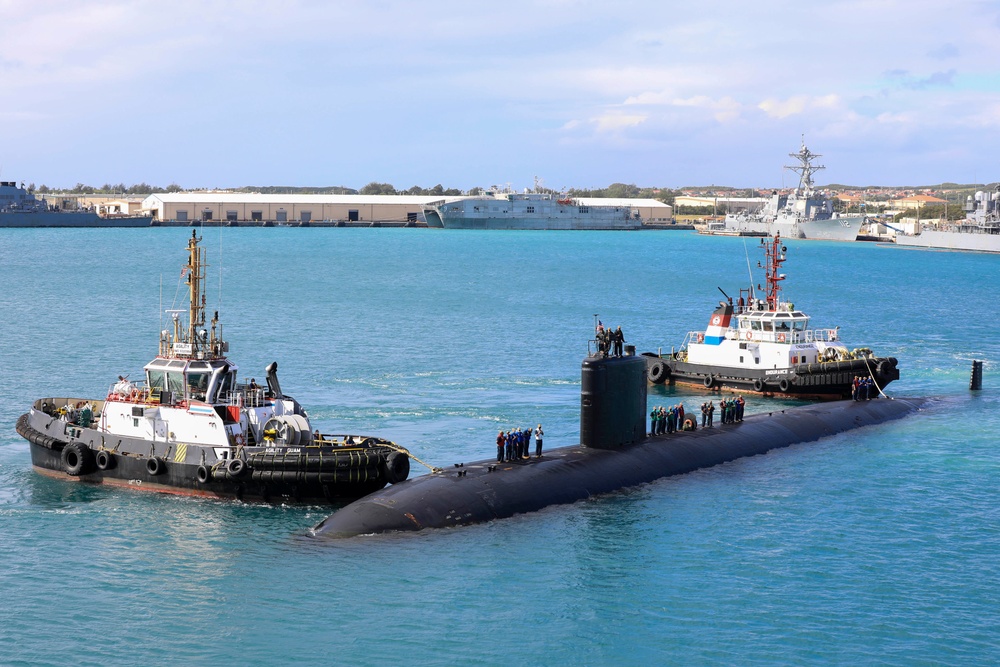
(615, 190)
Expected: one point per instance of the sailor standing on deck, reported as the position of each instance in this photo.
(538, 442)
(619, 341)
(501, 441)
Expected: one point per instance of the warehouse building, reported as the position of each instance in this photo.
(259, 209)
(233, 207)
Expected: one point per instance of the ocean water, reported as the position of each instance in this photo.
(879, 546)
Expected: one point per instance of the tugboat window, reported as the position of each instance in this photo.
(227, 384)
(175, 383)
(157, 381)
(198, 385)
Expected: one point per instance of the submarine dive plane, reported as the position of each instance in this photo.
(614, 452)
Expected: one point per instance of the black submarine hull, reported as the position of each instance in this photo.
(475, 494)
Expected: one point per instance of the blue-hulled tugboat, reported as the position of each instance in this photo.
(765, 345)
(194, 428)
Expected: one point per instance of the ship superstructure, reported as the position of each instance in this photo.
(805, 213)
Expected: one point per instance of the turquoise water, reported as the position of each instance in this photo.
(879, 546)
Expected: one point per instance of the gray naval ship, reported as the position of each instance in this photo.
(803, 214)
(530, 210)
(979, 232)
(20, 208)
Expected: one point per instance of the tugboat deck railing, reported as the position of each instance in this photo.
(777, 336)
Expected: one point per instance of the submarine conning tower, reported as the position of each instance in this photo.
(612, 401)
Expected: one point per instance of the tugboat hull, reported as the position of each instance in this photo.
(827, 380)
(314, 474)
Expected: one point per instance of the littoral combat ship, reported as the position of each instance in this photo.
(194, 428)
(530, 210)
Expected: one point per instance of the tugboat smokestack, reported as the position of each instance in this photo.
(272, 379)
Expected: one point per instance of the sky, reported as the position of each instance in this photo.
(577, 93)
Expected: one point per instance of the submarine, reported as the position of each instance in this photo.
(615, 452)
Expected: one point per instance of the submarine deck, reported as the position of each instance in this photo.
(485, 490)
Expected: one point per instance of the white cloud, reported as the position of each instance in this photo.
(799, 104)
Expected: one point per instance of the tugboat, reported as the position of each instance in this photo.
(766, 345)
(193, 428)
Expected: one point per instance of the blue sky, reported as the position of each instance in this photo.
(579, 93)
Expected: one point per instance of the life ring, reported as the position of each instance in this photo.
(781, 338)
(397, 467)
(658, 372)
(105, 460)
(716, 320)
(783, 384)
(155, 466)
(236, 468)
(76, 459)
(709, 381)
(758, 385)
(204, 474)
(749, 335)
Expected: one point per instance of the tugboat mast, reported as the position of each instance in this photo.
(194, 342)
(195, 277)
(775, 253)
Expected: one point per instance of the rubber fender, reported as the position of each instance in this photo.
(155, 466)
(758, 385)
(709, 381)
(77, 459)
(658, 372)
(105, 460)
(236, 468)
(204, 474)
(397, 467)
(783, 384)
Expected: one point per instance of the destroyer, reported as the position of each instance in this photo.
(194, 428)
(805, 214)
(979, 232)
(766, 345)
(20, 208)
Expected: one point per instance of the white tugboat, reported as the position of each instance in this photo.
(194, 428)
(805, 214)
(766, 345)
